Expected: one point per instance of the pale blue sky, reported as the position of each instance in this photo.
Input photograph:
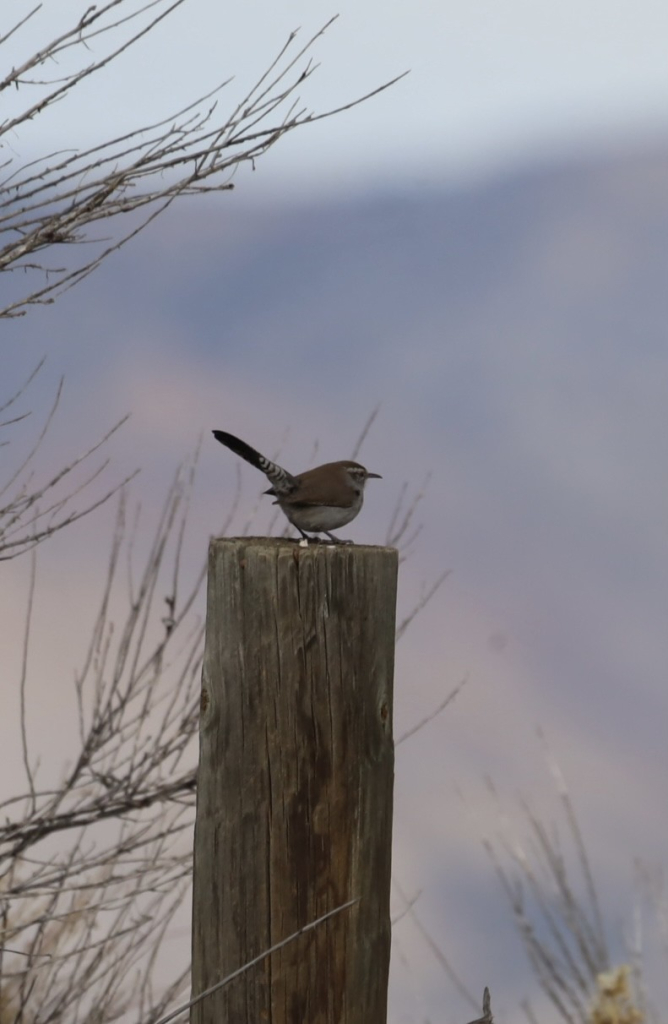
(491, 83)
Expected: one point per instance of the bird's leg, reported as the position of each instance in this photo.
(309, 538)
(336, 540)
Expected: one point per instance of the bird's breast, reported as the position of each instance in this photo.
(313, 518)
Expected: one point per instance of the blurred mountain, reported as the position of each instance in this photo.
(575, 252)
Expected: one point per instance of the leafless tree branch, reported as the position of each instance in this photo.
(22, 689)
(425, 597)
(56, 200)
(432, 714)
(371, 419)
(31, 510)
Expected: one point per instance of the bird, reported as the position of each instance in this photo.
(316, 501)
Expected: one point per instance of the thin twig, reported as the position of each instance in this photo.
(256, 960)
(433, 714)
(22, 689)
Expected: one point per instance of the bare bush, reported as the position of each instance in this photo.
(93, 869)
(553, 897)
(49, 205)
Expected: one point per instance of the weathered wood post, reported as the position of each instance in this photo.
(294, 798)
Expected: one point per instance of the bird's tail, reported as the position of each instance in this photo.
(282, 481)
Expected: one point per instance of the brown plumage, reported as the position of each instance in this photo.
(318, 500)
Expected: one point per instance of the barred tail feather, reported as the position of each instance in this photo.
(283, 482)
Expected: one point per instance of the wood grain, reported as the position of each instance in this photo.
(294, 803)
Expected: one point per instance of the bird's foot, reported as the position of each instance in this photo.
(307, 539)
(336, 540)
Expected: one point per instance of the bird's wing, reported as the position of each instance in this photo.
(320, 486)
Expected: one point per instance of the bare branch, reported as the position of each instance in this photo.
(423, 601)
(19, 24)
(99, 901)
(402, 518)
(21, 389)
(371, 419)
(55, 200)
(409, 906)
(433, 714)
(22, 690)
(31, 512)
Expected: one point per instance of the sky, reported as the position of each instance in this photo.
(490, 85)
(555, 620)
(521, 370)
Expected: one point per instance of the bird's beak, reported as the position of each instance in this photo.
(377, 476)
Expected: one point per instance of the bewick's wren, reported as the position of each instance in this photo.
(319, 500)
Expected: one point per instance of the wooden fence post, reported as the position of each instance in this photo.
(294, 796)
